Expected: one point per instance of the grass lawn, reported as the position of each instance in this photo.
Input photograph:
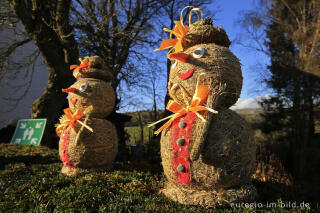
(30, 180)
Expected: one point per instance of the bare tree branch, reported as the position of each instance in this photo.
(19, 91)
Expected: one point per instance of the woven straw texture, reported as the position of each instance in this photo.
(95, 73)
(99, 94)
(227, 158)
(222, 149)
(212, 198)
(205, 34)
(91, 151)
(96, 69)
(221, 69)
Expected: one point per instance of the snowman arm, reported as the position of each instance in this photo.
(199, 142)
(203, 127)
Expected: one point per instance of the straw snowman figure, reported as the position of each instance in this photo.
(207, 150)
(88, 142)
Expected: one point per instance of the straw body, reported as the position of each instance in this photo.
(90, 151)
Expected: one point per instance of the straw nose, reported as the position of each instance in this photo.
(70, 89)
(180, 56)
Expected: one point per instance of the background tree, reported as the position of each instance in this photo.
(16, 69)
(120, 32)
(9, 23)
(292, 42)
(47, 24)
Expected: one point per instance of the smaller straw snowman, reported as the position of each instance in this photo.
(88, 142)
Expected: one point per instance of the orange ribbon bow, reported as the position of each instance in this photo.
(176, 45)
(71, 120)
(179, 31)
(199, 97)
(78, 68)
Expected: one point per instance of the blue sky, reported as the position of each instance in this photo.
(228, 13)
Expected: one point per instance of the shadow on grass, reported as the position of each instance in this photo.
(139, 166)
(27, 160)
(301, 193)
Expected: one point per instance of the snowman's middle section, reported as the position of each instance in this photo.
(180, 144)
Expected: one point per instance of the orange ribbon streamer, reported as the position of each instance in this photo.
(71, 120)
(175, 45)
(199, 97)
(78, 68)
(179, 31)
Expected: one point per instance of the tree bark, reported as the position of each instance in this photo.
(167, 97)
(141, 127)
(47, 24)
(155, 112)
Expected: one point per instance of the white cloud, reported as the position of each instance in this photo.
(249, 103)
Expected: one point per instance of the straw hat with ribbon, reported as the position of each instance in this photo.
(91, 67)
(180, 30)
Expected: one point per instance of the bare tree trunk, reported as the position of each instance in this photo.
(309, 115)
(141, 127)
(297, 125)
(47, 24)
(155, 113)
(167, 98)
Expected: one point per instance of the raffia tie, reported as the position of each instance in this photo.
(199, 97)
(72, 119)
(78, 68)
(180, 30)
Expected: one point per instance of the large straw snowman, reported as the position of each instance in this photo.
(207, 150)
(88, 142)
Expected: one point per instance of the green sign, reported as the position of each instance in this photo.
(29, 132)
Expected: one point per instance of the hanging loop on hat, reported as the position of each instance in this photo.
(194, 9)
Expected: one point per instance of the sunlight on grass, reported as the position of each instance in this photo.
(30, 180)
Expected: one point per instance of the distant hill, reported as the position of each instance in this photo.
(248, 111)
(146, 116)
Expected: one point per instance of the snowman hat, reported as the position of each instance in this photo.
(91, 67)
(199, 32)
(203, 32)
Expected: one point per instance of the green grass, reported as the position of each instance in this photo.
(30, 180)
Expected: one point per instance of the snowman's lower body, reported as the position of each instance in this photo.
(209, 197)
(82, 151)
(222, 173)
